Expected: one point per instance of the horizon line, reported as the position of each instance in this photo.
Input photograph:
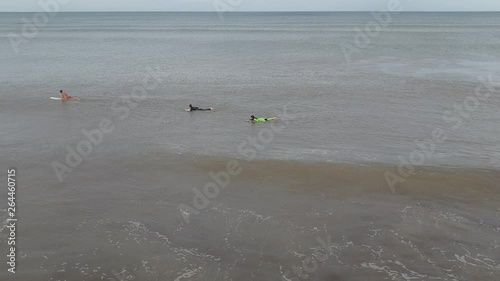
(256, 11)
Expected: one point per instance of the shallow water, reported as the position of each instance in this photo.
(319, 171)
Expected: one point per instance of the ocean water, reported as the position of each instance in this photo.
(417, 99)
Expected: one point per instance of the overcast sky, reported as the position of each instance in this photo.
(253, 5)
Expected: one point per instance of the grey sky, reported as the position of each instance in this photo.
(253, 5)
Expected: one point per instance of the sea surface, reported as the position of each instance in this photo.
(385, 154)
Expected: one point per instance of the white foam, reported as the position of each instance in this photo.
(189, 273)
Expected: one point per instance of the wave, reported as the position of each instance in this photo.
(349, 179)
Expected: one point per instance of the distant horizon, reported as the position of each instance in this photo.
(252, 6)
(256, 11)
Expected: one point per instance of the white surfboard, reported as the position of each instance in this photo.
(70, 99)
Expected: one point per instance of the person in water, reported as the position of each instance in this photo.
(194, 108)
(64, 95)
(254, 119)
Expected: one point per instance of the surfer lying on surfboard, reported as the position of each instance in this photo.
(254, 119)
(64, 96)
(194, 108)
